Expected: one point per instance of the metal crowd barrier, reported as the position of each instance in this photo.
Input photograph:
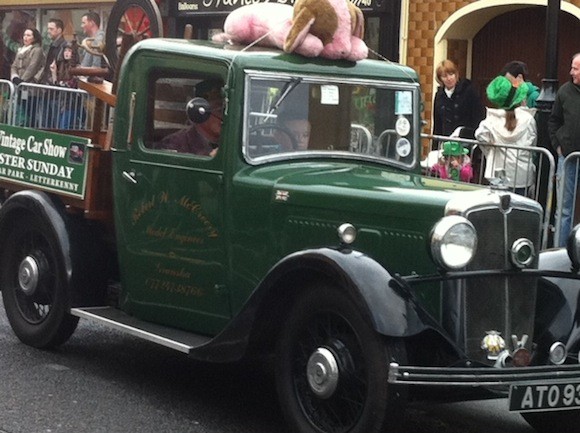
(6, 97)
(571, 162)
(52, 107)
(492, 159)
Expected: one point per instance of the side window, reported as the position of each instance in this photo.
(171, 129)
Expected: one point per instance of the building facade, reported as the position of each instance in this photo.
(480, 36)
(16, 15)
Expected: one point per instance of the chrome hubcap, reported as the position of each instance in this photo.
(322, 373)
(28, 275)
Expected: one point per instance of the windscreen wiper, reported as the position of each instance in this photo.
(288, 87)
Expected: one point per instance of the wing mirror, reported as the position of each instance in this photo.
(198, 110)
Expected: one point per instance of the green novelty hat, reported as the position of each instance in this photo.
(502, 94)
(453, 148)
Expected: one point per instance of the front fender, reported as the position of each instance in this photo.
(393, 313)
(558, 305)
(84, 262)
(51, 212)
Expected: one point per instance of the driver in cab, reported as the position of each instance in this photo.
(200, 138)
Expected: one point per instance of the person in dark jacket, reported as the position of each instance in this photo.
(67, 108)
(456, 103)
(564, 130)
(50, 110)
(517, 71)
(54, 29)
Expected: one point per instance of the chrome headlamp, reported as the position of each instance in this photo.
(347, 233)
(453, 242)
(522, 253)
(573, 246)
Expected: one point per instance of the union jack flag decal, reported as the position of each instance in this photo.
(281, 195)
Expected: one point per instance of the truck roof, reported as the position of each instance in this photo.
(272, 59)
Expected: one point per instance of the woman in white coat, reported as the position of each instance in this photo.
(510, 123)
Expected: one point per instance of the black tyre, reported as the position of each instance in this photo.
(139, 19)
(561, 421)
(33, 284)
(332, 368)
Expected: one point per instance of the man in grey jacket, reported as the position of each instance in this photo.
(91, 25)
(564, 130)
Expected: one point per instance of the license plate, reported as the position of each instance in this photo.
(530, 398)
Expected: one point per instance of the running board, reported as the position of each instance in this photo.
(169, 337)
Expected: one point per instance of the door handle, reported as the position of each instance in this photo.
(129, 177)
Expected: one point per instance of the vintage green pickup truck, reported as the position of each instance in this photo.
(372, 284)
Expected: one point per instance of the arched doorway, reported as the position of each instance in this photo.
(520, 35)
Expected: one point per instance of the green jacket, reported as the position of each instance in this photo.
(533, 93)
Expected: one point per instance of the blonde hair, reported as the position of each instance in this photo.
(446, 67)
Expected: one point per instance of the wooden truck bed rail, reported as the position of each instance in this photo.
(96, 106)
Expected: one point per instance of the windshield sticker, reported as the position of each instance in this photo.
(403, 147)
(402, 126)
(329, 95)
(403, 103)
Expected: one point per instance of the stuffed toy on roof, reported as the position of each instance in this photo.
(339, 25)
(311, 28)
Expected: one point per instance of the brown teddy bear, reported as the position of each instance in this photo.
(326, 28)
(339, 25)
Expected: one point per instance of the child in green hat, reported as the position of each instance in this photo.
(510, 123)
(454, 163)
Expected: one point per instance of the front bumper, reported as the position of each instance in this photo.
(482, 376)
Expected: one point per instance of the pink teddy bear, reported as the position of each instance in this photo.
(266, 23)
(326, 28)
(339, 24)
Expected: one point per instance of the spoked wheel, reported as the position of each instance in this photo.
(332, 368)
(137, 19)
(33, 285)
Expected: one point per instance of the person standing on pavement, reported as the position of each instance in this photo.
(509, 123)
(27, 68)
(29, 60)
(55, 29)
(456, 103)
(69, 106)
(517, 71)
(564, 131)
(91, 25)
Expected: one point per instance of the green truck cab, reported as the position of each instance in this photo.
(371, 283)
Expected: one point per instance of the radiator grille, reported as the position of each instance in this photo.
(497, 231)
(506, 305)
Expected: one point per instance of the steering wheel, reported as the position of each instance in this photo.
(135, 19)
(264, 143)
